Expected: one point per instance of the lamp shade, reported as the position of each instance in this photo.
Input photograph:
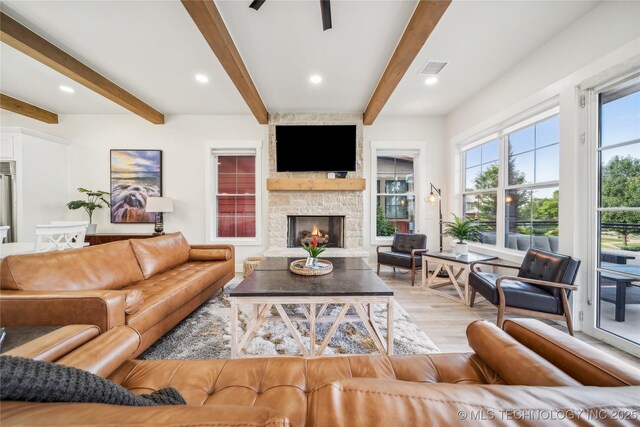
(159, 204)
(432, 198)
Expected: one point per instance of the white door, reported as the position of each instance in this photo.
(615, 266)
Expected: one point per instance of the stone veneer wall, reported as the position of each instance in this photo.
(347, 203)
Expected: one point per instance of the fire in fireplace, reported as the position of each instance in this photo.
(329, 229)
(323, 236)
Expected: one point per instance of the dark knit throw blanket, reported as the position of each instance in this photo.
(34, 381)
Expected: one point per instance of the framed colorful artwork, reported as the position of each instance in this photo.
(135, 175)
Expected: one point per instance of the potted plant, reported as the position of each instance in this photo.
(464, 231)
(95, 200)
(314, 251)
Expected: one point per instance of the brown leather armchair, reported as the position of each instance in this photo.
(541, 288)
(406, 253)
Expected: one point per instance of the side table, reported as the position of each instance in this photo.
(456, 266)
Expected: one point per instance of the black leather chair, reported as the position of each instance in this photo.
(406, 253)
(541, 288)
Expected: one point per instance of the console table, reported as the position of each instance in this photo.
(99, 239)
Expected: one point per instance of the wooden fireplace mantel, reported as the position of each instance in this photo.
(316, 184)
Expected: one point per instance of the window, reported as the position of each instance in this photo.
(520, 167)
(481, 187)
(532, 193)
(235, 195)
(395, 195)
(618, 212)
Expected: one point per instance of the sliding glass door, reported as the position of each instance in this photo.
(617, 269)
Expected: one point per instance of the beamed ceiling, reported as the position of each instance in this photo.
(153, 49)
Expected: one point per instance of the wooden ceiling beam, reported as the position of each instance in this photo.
(207, 18)
(424, 19)
(20, 107)
(26, 41)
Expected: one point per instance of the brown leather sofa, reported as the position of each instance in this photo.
(147, 284)
(530, 374)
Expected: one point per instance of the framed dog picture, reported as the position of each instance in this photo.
(135, 175)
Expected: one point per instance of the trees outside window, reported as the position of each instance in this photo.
(482, 176)
(621, 187)
(526, 176)
(618, 263)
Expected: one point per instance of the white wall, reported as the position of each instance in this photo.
(595, 37)
(42, 191)
(182, 140)
(431, 131)
(604, 38)
(42, 176)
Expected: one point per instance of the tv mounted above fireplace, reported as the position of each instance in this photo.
(314, 148)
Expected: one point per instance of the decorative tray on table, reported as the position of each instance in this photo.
(318, 269)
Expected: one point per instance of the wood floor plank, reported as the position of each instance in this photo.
(445, 321)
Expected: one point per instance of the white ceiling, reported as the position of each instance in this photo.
(282, 44)
(480, 40)
(29, 80)
(150, 48)
(153, 49)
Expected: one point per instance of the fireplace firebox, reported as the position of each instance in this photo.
(328, 229)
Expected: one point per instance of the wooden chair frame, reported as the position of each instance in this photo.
(4, 231)
(503, 308)
(59, 237)
(413, 268)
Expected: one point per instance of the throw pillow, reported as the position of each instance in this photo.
(209, 255)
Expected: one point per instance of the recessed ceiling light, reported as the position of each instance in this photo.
(431, 80)
(315, 79)
(202, 78)
(66, 89)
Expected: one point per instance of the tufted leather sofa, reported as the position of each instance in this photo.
(529, 368)
(147, 284)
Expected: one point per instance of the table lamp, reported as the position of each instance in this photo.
(159, 205)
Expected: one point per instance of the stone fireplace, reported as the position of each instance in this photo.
(346, 205)
(329, 230)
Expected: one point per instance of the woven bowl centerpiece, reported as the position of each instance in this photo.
(321, 267)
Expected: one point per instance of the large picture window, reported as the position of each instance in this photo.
(514, 176)
(395, 195)
(235, 195)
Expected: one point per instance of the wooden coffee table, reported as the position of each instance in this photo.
(455, 266)
(351, 284)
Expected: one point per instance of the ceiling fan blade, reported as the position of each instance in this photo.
(325, 9)
(256, 4)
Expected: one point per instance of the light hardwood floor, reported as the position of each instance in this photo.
(445, 321)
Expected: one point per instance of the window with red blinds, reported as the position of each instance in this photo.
(236, 196)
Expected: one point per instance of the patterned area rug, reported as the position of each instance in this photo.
(205, 334)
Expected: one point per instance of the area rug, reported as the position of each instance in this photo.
(205, 334)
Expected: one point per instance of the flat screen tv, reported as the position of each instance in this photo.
(312, 148)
